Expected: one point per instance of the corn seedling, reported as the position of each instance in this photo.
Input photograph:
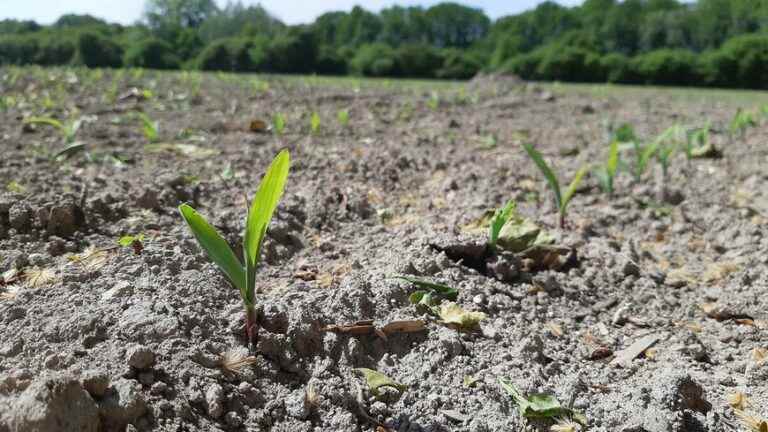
(278, 122)
(149, 127)
(741, 121)
(539, 405)
(259, 215)
(134, 242)
(500, 217)
(68, 129)
(434, 101)
(343, 117)
(643, 155)
(314, 123)
(607, 173)
(561, 200)
(697, 141)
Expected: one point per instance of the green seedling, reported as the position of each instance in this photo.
(434, 101)
(664, 155)
(314, 123)
(430, 294)
(643, 155)
(699, 144)
(741, 121)
(561, 200)
(278, 123)
(500, 218)
(259, 215)
(150, 128)
(136, 242)
(377, 381)
(607, 173)
(539, 405)
(625, 133)
(68, 129)
(343, 117)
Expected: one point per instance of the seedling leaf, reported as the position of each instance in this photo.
(214, 246)
(426, 286)
(500, 218)
(262, 207)
(572, 188)
(377, 380)
(539, 405)
(546, 171)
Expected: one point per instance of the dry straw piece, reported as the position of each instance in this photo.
(235, 360)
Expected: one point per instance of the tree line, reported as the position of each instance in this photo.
(708, 42)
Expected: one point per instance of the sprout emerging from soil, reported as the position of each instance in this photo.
(343, 117)
(500, 217)
(607, 173)
(278, 122)
(149, 127)
(561, 199)
(314, 123)
(259, 215)
(67, 130)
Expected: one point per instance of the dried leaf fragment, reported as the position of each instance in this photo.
(738, 401)
(453, 314)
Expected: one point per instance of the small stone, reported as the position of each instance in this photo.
(39, 260)
(148, 200)
(214, 396)
(121, 289)
(296, 405)
(19, 216)
(147, 378)
(232, 419)
(52, 403)
(95, 383)
(140, 357)
(123, 404)
(158, 388)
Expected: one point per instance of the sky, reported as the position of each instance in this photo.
(289, 11)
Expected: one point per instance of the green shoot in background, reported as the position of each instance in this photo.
(343, 117)
(434, 101)
(314, 123)
(259, 215)
(643, 155)
(68, 130)
(500, 217)
(741, 121)
(150, 128)
(607, 173)
(278, 122)
(561, 199)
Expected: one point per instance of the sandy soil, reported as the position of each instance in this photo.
(654, 317)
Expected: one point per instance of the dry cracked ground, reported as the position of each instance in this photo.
(648, 315)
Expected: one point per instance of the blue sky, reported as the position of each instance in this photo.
(290, 11)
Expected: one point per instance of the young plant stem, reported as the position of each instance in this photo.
(251, 327)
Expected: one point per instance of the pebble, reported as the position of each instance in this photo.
(140, 357)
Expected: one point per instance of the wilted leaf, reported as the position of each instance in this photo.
(453, 314)
(547, 257)
(37, 277)
(717, 271)
(738, 401)
(376, 380)
(759, 355)
(539, 405)
(519, 234)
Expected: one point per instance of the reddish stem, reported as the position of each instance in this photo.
(251, 328)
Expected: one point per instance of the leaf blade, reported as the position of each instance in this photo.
(214, 246)
(572, 187)
(549, 175)
(260, 214)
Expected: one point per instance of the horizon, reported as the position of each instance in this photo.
(291, 12)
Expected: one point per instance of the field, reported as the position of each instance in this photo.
(644, 311)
